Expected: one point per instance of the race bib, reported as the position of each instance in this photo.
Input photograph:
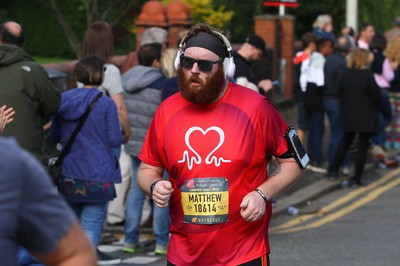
(205, 200)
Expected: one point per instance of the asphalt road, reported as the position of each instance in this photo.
(347, 226)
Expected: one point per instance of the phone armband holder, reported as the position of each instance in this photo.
(295, 148)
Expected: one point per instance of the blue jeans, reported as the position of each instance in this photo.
(385, 117)
(302, 118)
(315, 122)
(117, 152)
(332, 109)
(133, 212)
(26, 259)
(91, 217)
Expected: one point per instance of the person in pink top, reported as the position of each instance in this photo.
(383, 70)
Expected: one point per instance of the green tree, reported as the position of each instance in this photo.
(75, 16)
(206, 11)
(380, 13)
(58, 30)
(242, 23)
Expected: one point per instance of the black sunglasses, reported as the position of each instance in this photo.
(204, 65)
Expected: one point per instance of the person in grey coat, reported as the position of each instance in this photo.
(142, 86)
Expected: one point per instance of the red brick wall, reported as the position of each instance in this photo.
(266, 26)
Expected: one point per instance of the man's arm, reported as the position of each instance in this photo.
(287, 173)
(122, 116)
(40, 89)
(162, 190)
(71, 250)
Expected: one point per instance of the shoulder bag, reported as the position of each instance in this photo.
(54, 164)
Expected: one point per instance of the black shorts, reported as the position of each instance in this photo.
(261, 261)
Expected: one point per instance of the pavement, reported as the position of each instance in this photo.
(309, 187)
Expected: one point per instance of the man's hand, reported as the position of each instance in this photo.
(6, 116)
(265, 84)
(47, 126)
(162, 192)
(252, 207)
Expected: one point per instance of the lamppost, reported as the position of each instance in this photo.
(351, 13)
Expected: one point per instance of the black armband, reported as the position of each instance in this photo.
(295, 148)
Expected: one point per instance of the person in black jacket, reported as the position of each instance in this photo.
(334, 67)
(360, 105)
(250, 51)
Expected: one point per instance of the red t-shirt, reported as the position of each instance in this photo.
(215, 155)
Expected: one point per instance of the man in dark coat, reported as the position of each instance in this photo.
(26, 87)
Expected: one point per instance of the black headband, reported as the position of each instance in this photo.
(209, 42)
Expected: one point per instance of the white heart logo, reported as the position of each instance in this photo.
(209, 158)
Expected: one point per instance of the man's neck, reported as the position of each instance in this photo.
(242, 53)
(222, 92)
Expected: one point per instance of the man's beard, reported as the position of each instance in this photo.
(208, 91)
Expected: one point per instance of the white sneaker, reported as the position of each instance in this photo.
(316, 168)
(345, 170)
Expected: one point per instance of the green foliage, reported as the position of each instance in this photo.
(43, 35)
(205, 11)
(47, 60)
(242, 23)
(380, 13)
(219, 18)
(46, 37)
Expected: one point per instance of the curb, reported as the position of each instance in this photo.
(311, 192)
(302, 196)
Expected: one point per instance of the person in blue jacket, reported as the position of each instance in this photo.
(90, 169)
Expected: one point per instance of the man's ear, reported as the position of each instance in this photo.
(156, 63)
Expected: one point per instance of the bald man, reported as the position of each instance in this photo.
(26, 87)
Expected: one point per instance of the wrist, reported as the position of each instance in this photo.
(152, 186)
(264, 197)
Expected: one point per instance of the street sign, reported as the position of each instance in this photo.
(286, 3)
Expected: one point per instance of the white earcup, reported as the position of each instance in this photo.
(178, 59)
(229, 67)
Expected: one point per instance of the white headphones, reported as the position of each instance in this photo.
(229, 64)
